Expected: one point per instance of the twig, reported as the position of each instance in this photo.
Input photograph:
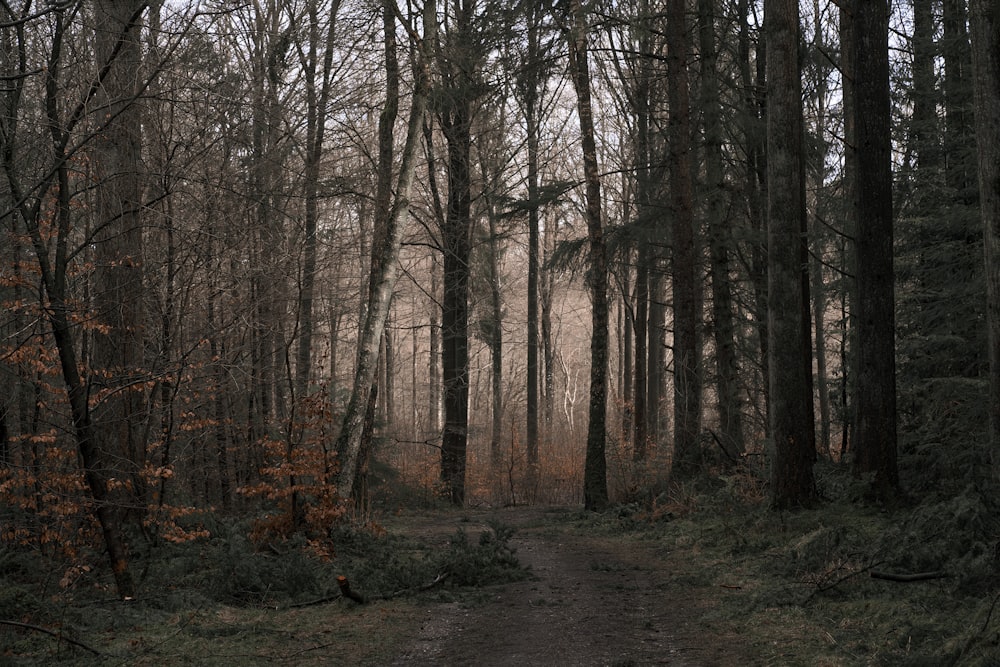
(993, 606)
(916, 576)
(53, 633)
(419, 589)
(822, 588)
(312, 603)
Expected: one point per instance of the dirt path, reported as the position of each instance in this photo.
(594, 600)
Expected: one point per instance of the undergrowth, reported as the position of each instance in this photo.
(182, 585)
(839, 584)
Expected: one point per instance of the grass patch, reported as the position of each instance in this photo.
(227, 601)
(799, 585)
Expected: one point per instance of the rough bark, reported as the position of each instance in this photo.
(792, 428)
(118, 354)
(720, 240)
(687, 376)
(457, 62)
(985, 23)
(595, 481)
(875, 450)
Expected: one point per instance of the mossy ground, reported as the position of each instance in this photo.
(799, 584)
(790, 588)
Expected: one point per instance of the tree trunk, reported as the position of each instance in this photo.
(496, 354)
(118, 355)
(595, 480)
(985, 22)
(720, 241)
(384, 279)
(959, 162)
(849, 340)
(459, 63)
(875, 449)
(317, 100)
(792, 427)
(531, 90)
(924, 136)
(640, 415)
(687, 376)
(434, 333)
(754, 112)
(818, 173)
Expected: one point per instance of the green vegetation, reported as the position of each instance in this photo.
(227, 600)
(828, 585)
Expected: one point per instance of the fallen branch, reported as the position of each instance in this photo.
(54, 633)
(916, 576)
(822, 588)
(347, 592)
(418, 589)
(312, 603)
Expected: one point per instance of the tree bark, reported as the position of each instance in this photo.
(875, 450)
(985, 23)
(118, 354)
(792, 427)
(384, 279)
(458, 66)
(595, 481)
(720, 240)
(530, 90)
(687, 374)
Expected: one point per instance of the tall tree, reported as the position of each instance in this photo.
(790, 361)
(459, 61)
(875, 450)
(720, 238)
(317, 64)
(43, 194)
(985, 24)
(686, 283)
(531, 77)
(595, 479)
(118, 355)
(384, 279)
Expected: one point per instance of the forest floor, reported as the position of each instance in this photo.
(592, 599)
(693, 580)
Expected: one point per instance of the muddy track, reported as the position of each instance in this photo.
(593, 600)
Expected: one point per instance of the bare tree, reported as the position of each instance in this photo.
(595, 479)
(384, 279)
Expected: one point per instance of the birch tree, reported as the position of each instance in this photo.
(384, 278)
